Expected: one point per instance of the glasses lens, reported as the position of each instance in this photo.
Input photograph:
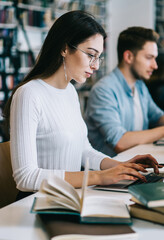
(95, 59)
(101, 61)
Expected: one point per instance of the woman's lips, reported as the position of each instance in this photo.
(88, 74)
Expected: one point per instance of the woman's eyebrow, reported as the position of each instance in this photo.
(94, 49)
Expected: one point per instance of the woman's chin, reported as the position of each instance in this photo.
(81, 81)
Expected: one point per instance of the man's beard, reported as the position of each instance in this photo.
(135, 73)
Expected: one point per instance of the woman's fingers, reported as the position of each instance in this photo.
(133, 170)
(127, 171)
(160, 166)
(132, 177)
(146, 159)
(138, 167)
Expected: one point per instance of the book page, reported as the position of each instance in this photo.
(158, 209)
(63, 203)
(104, 207)
(63, 187)
(44, 203)
(54, 194)
(41, 203)
(129, 236)
(85, 183)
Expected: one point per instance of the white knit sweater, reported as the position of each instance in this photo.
(48, 134)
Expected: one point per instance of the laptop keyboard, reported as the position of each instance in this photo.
(151, 177)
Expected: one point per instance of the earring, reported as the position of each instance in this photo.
(65, 72)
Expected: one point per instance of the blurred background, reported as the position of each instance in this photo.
(24, 25)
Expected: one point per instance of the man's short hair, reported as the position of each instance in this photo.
(133, 39)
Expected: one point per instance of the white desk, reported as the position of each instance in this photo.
(17, 223)
(155, 151)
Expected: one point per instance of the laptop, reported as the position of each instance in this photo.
(122, 186)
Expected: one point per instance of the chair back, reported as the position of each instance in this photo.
(8, 190)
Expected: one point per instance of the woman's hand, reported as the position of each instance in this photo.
(113, 171)
(146, 161)
(128, 170)
(123, 171)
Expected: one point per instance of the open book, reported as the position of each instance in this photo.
(62, 198)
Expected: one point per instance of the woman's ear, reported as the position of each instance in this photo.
(128, 56)
(64, 51)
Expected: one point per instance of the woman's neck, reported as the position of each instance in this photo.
(58, 79)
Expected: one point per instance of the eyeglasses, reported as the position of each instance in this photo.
(93, 59)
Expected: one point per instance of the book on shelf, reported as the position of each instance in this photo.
(150, 194)
(61, 198)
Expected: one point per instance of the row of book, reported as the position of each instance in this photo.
(160, 9)
(31, 15)
(24, 62)
(35, 18)
(9, 82)
(160, 22)
(7, 15)
(7, 32)
(94, 7)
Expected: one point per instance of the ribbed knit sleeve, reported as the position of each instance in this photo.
(95, 157)
(24, 120)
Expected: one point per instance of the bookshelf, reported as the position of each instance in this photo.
(156, 82)
(17, 55)
(159, 23)
(23, 21)
(9, 62)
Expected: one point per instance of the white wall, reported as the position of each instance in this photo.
(123, 14)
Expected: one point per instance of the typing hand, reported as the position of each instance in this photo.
(123, 171)
(146, 161)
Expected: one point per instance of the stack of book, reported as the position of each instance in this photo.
(148, 201)
(67, 215)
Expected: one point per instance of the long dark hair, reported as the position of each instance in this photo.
(70, 29)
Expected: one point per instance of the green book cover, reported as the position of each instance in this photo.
(149, 194)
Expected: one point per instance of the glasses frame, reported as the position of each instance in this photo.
(93, 58)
